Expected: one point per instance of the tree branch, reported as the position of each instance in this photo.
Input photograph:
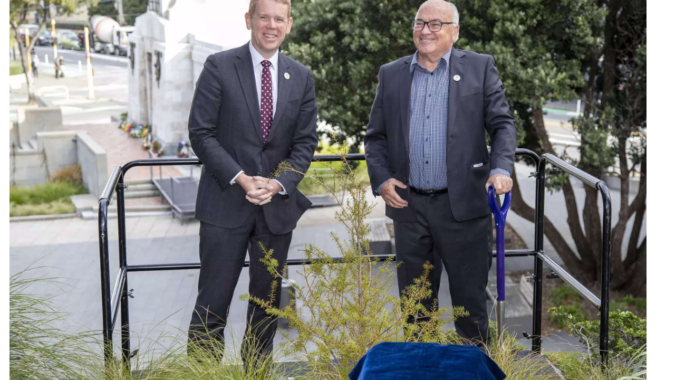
(563, 249)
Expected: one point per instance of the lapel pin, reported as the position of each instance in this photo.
(456, 78)
(287, 75)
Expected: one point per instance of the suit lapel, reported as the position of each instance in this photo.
(282, 93)
(244, 67)
(457, 62)
(405, 85)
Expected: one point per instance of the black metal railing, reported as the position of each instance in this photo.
(119, 299)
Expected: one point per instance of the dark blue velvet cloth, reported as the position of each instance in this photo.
(390, 360)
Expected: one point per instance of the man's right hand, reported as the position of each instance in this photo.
(390, 196)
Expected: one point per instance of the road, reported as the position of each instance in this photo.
(72, 57)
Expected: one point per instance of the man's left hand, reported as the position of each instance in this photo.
(266, 190)
(502, 183)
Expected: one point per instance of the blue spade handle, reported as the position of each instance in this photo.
(500, 221)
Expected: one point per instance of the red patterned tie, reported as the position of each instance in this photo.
(266, 107)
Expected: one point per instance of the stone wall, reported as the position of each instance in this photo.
(27, 168)
(55, 151)
(37, 119)
(94, 163)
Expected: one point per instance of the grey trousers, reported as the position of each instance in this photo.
(466, 252)
(222, 253)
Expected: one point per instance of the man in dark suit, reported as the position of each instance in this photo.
(253, 108)
(427, 158)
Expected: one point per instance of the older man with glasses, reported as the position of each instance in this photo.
(427, 157)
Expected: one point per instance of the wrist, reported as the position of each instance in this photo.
(241, 179)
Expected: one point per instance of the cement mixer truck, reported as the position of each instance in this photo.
(107, 36)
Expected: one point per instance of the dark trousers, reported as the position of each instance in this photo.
(222, 253)
(466, 252)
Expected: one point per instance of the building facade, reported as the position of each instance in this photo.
(168, 48)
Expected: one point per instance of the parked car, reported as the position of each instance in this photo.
(67, 39)
(45, 38)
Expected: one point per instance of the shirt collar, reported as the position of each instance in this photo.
(257, 58)
(414, 62)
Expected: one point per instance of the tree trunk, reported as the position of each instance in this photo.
(572, 263)
(24, 52)
(640, 203)
(588, 261)
(619, 277)
(637, 286)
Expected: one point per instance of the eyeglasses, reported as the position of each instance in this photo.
(434, 26)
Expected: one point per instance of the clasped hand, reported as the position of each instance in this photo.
(259, 190)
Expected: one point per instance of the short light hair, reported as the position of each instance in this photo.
(455, 12)
(253, 5)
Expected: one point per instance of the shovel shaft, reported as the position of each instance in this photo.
(501, 295)
(500, 222)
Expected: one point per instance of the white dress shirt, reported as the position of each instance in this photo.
(257, 72)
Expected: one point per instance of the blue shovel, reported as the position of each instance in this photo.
(500, 221)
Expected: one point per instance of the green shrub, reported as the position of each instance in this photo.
(15, 68)
(62, 206)
(565, 313)
(627, 333)
(51, 198)
(580, 366)
(349, 303)
(46, 193)
(37, 350)
(71, 174)
(564, 295)
(622, 304)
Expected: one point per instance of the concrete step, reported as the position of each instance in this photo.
(140, 187)
(139, 194)
(89, 215)
(148, 208)
(138, 181)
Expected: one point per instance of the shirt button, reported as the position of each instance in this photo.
(429, 95)
(427, 162)
(427, 117)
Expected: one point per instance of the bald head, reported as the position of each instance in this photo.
(443, 7)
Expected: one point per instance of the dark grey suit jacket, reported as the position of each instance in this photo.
(475, 103)
(226, 135)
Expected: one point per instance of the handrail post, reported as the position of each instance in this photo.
(121, 225)
(605, 270)
(105, 280)
(538, 263)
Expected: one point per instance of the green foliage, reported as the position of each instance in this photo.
(309, 186)
(580, 366)
(627, 333)
(349, 303)
(132, 9)
(38, 350)
(48, 199)
(15, 68)
(62, 206)
(564, 294)
(344, 43)
(71, 174)
(538, 45)
(623, 303)
(48, 192)
(563, 314)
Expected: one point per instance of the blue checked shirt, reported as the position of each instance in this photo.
(429, 126)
